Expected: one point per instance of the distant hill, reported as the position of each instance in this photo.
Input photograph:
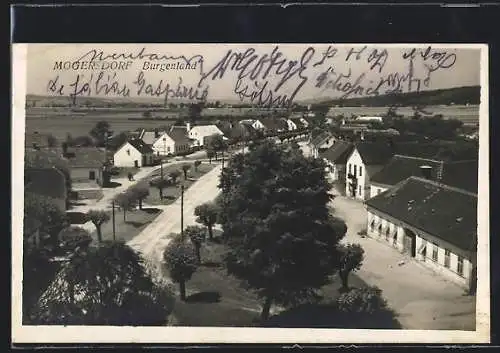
(449, 96)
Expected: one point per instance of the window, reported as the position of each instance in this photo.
(128, 152)
(380, 228)
(355, 169)
(372, 224)
(349, 168)
(446, 258)
(360, 171)
(423, 248)
(395, 237)
(92, 175)
(434, 252)
(378, 191)
(360, 190)
(460, 266)
(387, 233)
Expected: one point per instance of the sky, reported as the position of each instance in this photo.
(341, 71)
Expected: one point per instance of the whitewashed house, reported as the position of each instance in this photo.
(291, 125)
(254, 123)
(199, 132)
(433, 223)
(133, 153)
(336, 159)
(369, 119)
(366, 159)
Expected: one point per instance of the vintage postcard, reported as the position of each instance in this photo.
(250, 193)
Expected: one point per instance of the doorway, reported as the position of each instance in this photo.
(410, 242)
(136, 163)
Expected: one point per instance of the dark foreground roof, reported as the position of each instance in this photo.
(339, 152)
(45, 181)
(86, 157)
(141, 146)
(461, 175)
(444, 212)
(321, 138)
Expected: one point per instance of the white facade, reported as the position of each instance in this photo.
(164, 145)
(198, 133)
(291, 125)
(304, 122)
(376, 189)
(369, 119)
(436, 254)
(357, 168)
(129, 156)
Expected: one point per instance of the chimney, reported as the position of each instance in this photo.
(157, 133)
(426, 171)
(188, 127)
(362, 134)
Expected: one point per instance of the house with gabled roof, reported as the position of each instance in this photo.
(198, 133)
(365, 160)
(433, 223)
(274, 125)
(321, 143)
(336, 159)
(134, 153)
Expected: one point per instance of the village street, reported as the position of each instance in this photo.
(422, 299)
(152, 241)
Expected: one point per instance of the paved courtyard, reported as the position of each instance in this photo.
(423, 299)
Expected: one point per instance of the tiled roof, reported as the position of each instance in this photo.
(150, 137)
(401, 167)
(444, 212)
(272, 123)
(298, 123)
(47, 157)
(45, 181)
(141, 146)
(339, 152)
(321, 138)
(374, 153)
(461, 174)
(179, 134)
(86, 157)
(206, 130)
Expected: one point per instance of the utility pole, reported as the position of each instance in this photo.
(182, 210)
(114, 230)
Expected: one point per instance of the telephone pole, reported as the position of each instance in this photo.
(182, 210)
(113, 213)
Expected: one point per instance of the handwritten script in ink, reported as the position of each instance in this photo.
(269, 77)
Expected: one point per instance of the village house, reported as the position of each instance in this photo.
(321, 143)
(274, 125)
(49, 182)
(336, 159)
(365, 160)
(254, 123)
(299, 123)
(134, 153)
(199, 132)
(433, 223)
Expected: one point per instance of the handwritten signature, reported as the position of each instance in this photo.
(270, 78)
(111, 85)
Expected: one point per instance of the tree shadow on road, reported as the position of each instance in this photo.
(137, 224)
(151, 210)
(112, 185)
(329, 316)
(204, 297)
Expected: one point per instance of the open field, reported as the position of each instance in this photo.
(60, 123)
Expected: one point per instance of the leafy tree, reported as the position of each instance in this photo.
(100, 132)
(98, 218)
(82, 141)
(174, 174)
(196, 165)
(74, 238)
(207, 215)
(362, 300)
(52, 141)
(197, 235)
(185, 169)
(161, 184)
(42, 213)
(126, 201)
(140, 192)
(351, 259)
(180, 261)
(117, 141)
(105, 285)
(282, 239)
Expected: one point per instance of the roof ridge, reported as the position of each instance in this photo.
(419, 158)
(444, 186)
